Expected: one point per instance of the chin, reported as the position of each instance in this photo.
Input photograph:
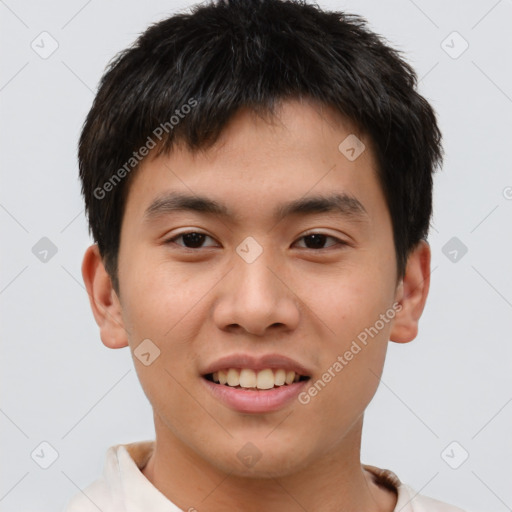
(261, 458)
(263, 469)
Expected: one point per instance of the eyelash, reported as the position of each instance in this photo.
(172, 240)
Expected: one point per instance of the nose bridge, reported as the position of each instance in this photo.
(258, 281)
(257, 286)
(254, 297)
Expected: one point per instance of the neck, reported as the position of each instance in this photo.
(335, 481)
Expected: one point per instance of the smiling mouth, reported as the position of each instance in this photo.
(249, 379)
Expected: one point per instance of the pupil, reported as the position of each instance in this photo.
(196, 239)
(318, 240)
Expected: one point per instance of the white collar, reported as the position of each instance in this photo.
(124, 488)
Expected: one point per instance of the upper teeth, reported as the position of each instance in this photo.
(247, 378)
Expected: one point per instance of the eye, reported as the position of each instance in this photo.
(191, 239)
(317, 240)
(195, 240)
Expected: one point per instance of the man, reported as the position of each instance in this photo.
(258, 181)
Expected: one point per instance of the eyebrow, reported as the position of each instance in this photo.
(339, 203)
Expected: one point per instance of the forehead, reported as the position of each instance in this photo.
(262, 164)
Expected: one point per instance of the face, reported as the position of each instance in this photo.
(251, 290)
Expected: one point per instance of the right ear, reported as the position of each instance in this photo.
(104, 301)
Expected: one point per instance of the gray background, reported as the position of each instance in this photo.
(60, 385)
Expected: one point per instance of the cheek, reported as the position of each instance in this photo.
(340, 395)
(354, 342)
(160, 299)
(154, 310)
(346, 302)
(160, 308)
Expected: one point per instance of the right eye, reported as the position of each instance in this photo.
(191, 239)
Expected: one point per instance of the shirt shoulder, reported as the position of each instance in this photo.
(99, 494)
(122, 486)
(421, 503)
(408, 500)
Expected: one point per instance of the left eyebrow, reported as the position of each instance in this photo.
(340, 203)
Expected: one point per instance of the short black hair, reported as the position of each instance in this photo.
(186, 76)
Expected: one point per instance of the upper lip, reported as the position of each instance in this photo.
(256, 363)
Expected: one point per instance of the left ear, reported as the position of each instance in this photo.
(412, 294)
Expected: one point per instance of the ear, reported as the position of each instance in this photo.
(412, 294)
(104, 301)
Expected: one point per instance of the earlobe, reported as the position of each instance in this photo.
(105, 304)
(412, 294)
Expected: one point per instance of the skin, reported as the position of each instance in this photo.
(304, 302)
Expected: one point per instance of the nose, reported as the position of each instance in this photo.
(256, 298)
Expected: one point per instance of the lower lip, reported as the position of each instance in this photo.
(250, 401)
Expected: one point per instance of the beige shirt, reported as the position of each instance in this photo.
(124, 488)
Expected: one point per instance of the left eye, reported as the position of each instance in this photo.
(318, 239)
(195, 239)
